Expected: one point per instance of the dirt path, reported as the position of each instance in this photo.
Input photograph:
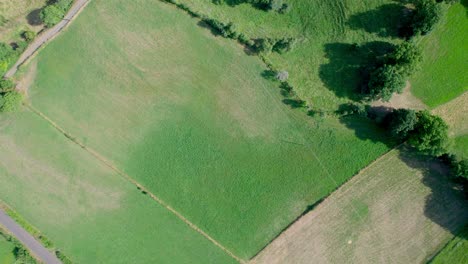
(48, 35)
(36, 248)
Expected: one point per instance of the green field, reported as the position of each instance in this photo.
(401, 209)
(89, 212)
(190, 117)
(442, 76)
(455, 251)
(6, 251)
(324, 66)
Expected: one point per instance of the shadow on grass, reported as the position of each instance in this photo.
(465, 4)
(34, 18)
(384, 21)
(447, 205)
(349, 64)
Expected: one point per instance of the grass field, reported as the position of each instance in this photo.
(18, 15)
(455, 114)
(89, 212)
(401, 209)
(324, 66)
(442, 76)
(6, 251)
(455, 250)
(190, 117)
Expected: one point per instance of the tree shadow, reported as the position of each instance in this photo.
(384, 21)
(447, 205)
(465, 4)
(348, 69)
(34, 18)
(263, 6)
(367, 129)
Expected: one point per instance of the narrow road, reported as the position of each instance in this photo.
(47, 35)
(36, 248)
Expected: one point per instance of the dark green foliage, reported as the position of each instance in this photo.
(11, 101)
(426, 15)
(284, 45)
(267, 5)
(401, 122)
(226, 30)
(28, 35)
(406, 56)
(384, 81)
(6, 85)
(54, 13)
(352, 109)
(430, 134)
(264, 46)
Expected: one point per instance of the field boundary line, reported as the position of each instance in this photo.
(127, 177)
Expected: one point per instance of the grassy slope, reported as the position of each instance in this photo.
(18, 15)
(323, 67)
(6, 252)
(190, 117)
(455, 251)
(443, 73)
(92, 214)
(401, 209)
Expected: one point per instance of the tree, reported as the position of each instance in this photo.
(406, 56)
(384, 81)
(284, 45)
(429, 134)
(426, 15)
(401, 122)
(6, 85)
(51, 15)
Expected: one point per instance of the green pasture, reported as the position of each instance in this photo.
(6, 251)
(442, 75)
(324, 68)
(455, 250)
(190, 116)
(90, 213)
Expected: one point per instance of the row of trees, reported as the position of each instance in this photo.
(428, 134)
(268, 5)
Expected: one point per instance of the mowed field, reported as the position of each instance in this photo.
(455, 250)
(455, 114)
(92, 214)
(6, 251)
(401, 209)
(190, 117)
(324, 67)
(442, 75)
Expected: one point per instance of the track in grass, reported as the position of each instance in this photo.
(399, 210)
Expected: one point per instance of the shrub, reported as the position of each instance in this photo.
(284, 45)
(28, 35)
(11, 101)
(264, 45)
(226, 30)
(6, 85)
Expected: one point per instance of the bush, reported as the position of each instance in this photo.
(226, 30)
(264, 46)
(284, 45)
(28, 35)
(6, 85)
(11, 101)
